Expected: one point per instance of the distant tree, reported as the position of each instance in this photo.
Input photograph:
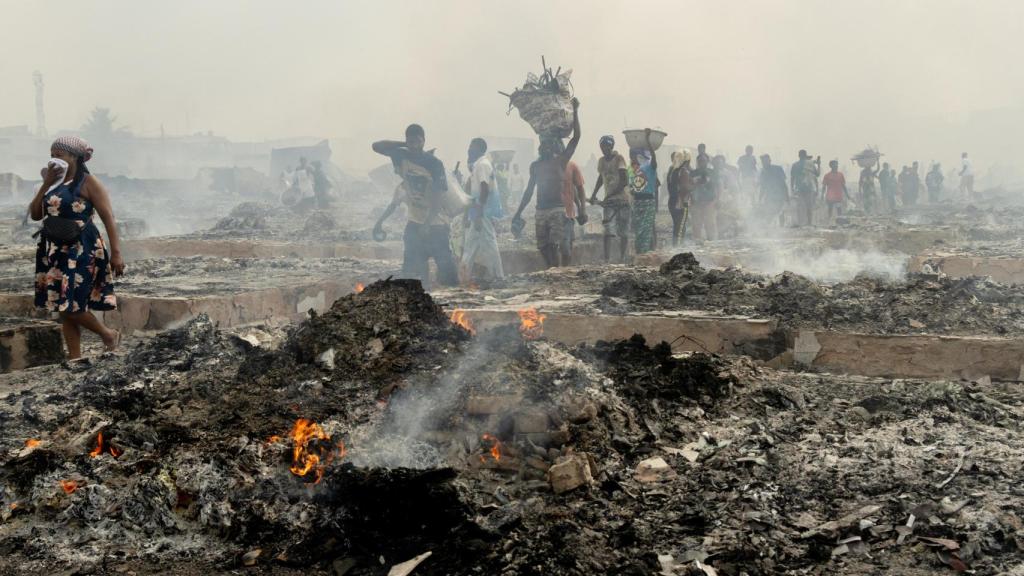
(100, 125)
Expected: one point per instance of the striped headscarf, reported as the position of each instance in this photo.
(73, 145)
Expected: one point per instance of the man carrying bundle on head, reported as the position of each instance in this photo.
(547, 176)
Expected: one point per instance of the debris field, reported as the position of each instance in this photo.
(381, 432)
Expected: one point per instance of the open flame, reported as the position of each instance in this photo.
(460, 318)
(360, 287)
(495, 450)
(99, 446)
(31, 443)
(102, 447)
(68, 486)
(531, 323)
(312, 449)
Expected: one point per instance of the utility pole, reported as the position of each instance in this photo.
(37, 77)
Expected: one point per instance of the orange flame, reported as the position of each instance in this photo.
(360, 287)
(101, 447)
(31, 443)
(495, 450)
(460, 318)
(308, 458)
(273, 439)
(68, 486)
(531, 323)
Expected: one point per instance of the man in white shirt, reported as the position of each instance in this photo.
(481, 259)
(966, 177)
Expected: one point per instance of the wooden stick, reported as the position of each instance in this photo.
(959, 465)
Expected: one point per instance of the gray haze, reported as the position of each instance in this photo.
(922, 80)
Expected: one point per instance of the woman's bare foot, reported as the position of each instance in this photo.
(112, 340)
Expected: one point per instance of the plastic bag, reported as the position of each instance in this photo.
(455, 199)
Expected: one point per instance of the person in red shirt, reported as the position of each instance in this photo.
(574, 198)
(833, 187)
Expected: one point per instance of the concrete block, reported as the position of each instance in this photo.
(531, 420)
(570, 473)
(27, 343)
(488, 405)
(654, 470)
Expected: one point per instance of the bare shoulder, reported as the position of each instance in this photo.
(91, 186)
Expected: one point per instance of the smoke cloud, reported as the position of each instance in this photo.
(922, 80)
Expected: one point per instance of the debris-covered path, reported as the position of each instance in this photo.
(380, 431)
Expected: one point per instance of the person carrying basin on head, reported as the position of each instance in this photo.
(547, 177)
(424, 184)
(74, 269)
(643, 184)
(616, 206)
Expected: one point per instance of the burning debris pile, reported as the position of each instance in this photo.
(384, 430)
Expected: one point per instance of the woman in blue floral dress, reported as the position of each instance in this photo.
(76, 277)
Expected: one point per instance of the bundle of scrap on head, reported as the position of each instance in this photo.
(545, 102)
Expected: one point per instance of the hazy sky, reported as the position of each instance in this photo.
(828, 75)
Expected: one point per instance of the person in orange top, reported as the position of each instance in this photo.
(574, 198)
(833, 187)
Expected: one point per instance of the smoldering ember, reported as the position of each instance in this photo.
(443, 305)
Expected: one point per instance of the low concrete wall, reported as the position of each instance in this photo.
(148, 313)
(27, 343)
(906, 240)
(894, 356)
(723, 335)
(1003, 270)
(911, 356)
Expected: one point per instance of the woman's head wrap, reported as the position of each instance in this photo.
(680, 157)
(609, 140)
(73, 145)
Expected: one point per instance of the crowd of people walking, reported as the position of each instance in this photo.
(700, 189)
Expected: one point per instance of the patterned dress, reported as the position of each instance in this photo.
(73, 277)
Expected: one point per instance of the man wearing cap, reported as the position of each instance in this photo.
(612, 175)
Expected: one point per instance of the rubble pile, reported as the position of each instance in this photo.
(493, 453)
(260, 220)
(247, 216)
